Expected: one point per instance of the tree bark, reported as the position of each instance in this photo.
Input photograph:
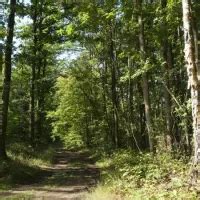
(193, 71)
(104, 82)
(41, 72)
(167, 57)
(33, 74)
(2, 137)
(7, 73)
(115, 121)
(145, 86)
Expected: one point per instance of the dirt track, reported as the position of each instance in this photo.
(71, 177)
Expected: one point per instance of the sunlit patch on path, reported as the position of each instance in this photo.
(72, 176)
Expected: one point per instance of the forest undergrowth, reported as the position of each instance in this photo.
(128, 175)
(125, 174)
(24, 165)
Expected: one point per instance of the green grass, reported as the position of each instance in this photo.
(103, 192)
(24, 165)
(125, 175)
(129, 175)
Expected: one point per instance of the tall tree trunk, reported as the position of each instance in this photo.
(145, 86)
(41, 68)
(104, 82)
(32, 106)
(115, 126)
(33, 74)
(132, 139)
(167, 98)
(2, 137)
(167, 57)
(193, 71)
(41, 99)
(7, 72)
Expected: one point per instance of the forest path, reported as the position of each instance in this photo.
(71, 177)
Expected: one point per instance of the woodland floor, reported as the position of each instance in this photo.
(71, 177)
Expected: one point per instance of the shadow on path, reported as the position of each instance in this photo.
(71, 176)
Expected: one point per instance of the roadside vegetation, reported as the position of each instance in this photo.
(125, 174)
(128, 175)
(24, 165)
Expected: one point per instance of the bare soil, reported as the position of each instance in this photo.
(71, 177)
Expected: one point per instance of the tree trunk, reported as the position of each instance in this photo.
(192, 69)
(41, 100)
(145, 87)
(167, 98)
(115, 125)
(33, 76)
(2, 137)
(41, 68)
(104, 82)
(132, 138)
(7, 73)
(167, 57)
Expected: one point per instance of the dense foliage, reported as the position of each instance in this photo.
(118, 95)
(105, 75)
